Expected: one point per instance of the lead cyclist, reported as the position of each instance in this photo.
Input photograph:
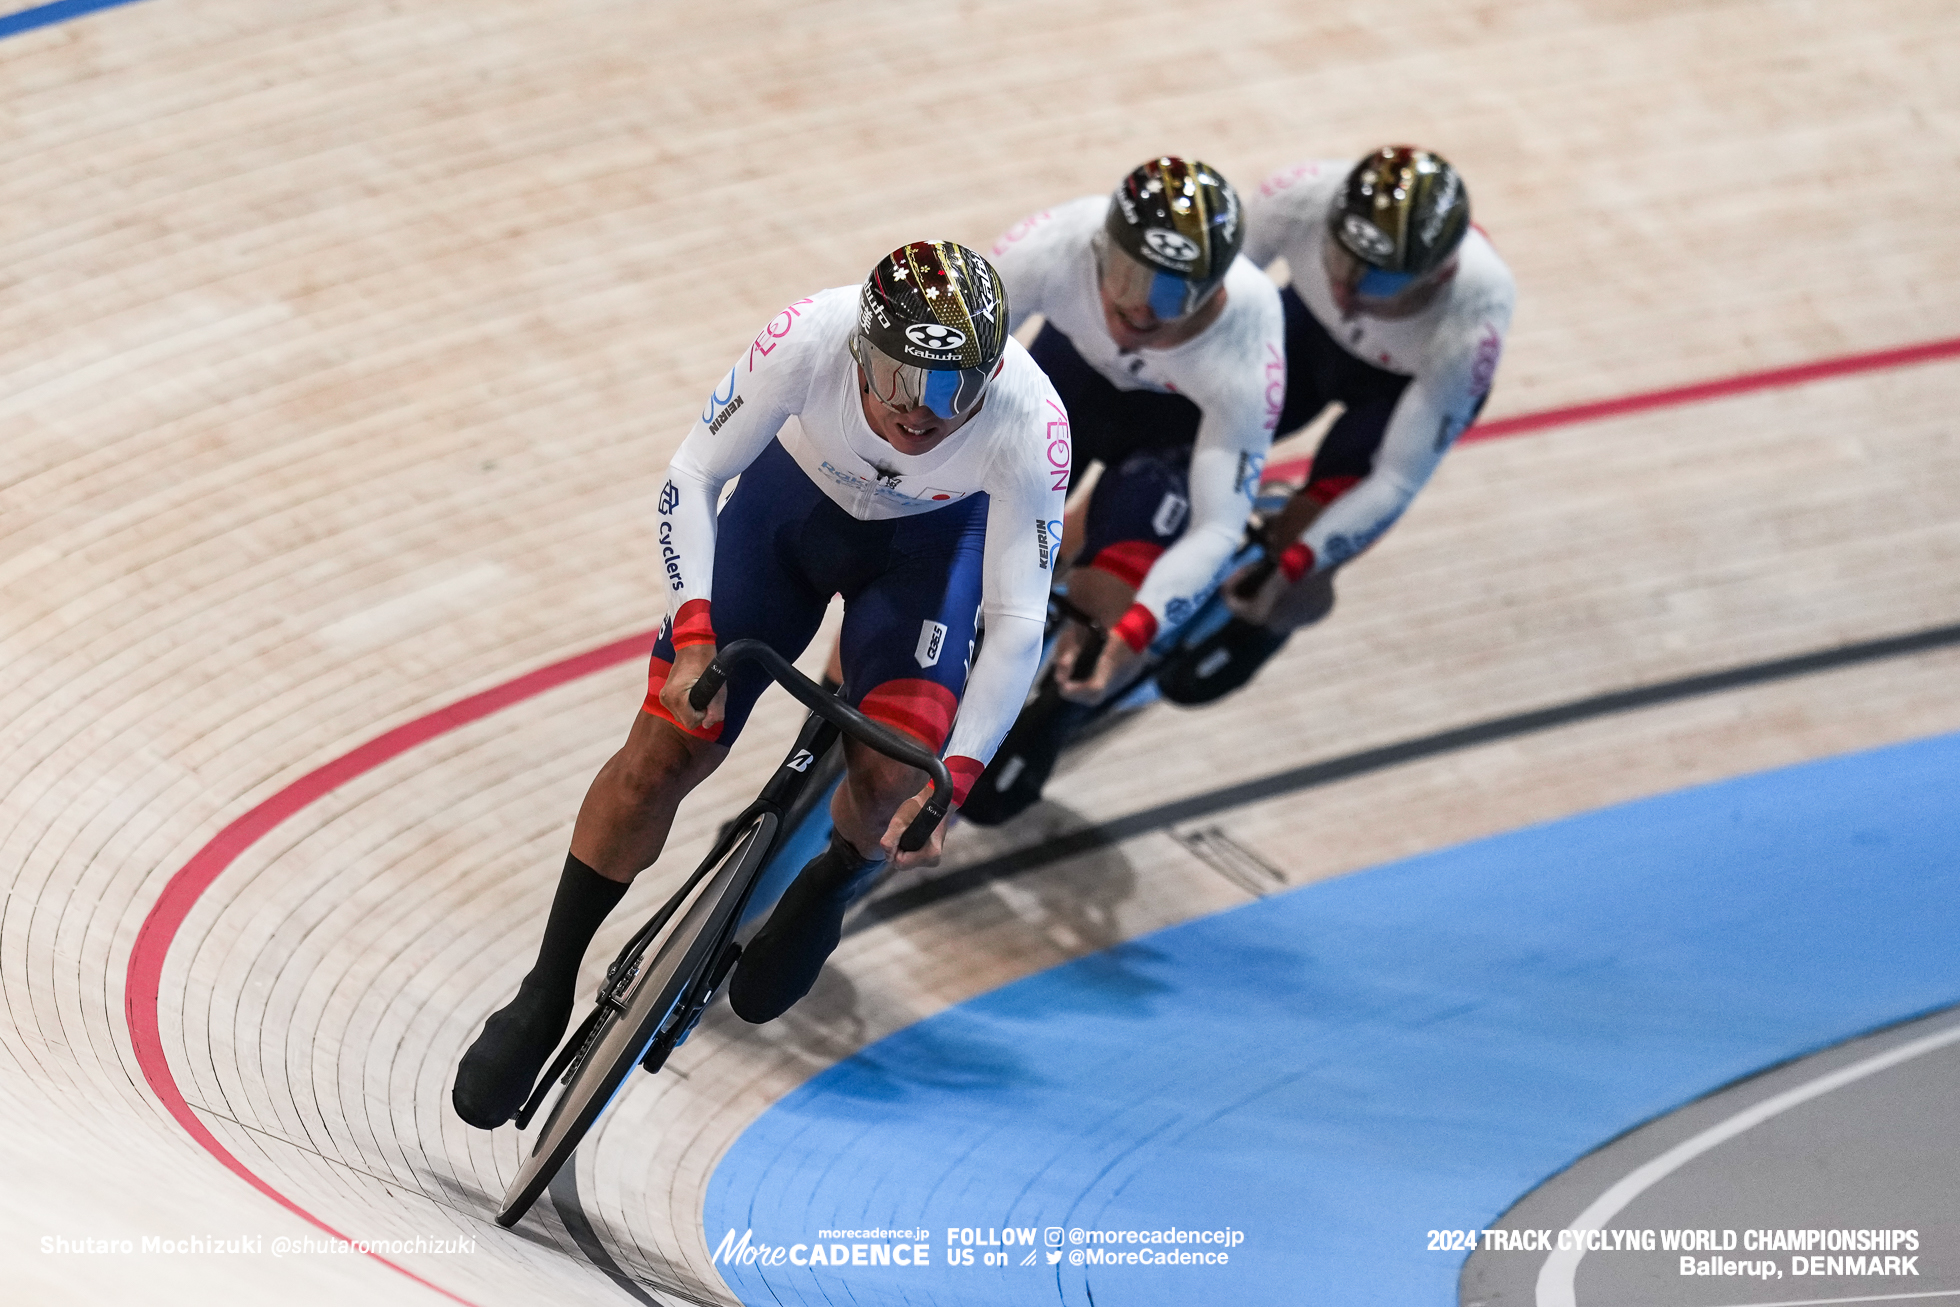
(928, 457)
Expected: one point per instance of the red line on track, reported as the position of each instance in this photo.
(167, 916)
(184, 889)
(1772, 379)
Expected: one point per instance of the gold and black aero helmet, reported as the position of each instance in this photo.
(1402, 212)
(1179, 220)
(932, 328)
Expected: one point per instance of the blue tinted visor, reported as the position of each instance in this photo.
(901, 387)
(1377, 284)
(1132, 285)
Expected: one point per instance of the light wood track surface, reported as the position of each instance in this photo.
(345, 344)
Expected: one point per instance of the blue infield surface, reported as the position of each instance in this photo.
(1325, 1076)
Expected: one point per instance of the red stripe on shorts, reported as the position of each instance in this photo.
(657, 670)
(691, 625)
(1326, 490)
(1129, 561)
(922, 709)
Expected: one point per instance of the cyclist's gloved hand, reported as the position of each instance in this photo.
(928, 854)
(689, 663)
(1125, 644)
(1254, 607)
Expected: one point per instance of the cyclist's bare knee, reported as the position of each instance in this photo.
(658, 756)
(874, 787)
(1100, 594)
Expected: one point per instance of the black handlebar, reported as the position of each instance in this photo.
(873, 735)
(1255, 578)
(1094, 637)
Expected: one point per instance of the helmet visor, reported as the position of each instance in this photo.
(1135, 289)
(1364, 280)
(902, 387)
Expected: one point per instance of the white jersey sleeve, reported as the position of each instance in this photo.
(1438, 406)
(1236, 374)
(1026, 485)
(767, 384)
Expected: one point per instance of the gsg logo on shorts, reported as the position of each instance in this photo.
(1174, 246)
(1170, 514)
(932, 639)
(935, 336)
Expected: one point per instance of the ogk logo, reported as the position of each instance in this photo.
(1365, 238)
(1170, 245)
(932, 639)
(933, 335)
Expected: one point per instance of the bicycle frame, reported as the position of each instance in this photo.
(695, 967)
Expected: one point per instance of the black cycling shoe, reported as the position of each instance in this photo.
(1218, 664)
(497, 1072)
(781, 963)
(1013, 781)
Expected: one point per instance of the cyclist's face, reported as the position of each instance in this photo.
(1362, 290)
(914, 430)
(1128, 289)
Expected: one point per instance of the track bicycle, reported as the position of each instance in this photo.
(672, 968)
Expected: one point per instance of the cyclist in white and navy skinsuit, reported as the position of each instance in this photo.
(1397, 309)
(1167, 348)
(922, 478)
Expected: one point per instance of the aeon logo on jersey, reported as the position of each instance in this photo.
(1171, 245)
(932, 639)
(935, 336)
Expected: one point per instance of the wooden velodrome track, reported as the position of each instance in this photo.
(344, 345)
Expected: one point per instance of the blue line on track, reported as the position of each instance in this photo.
(1338, 1070)
(59, 12)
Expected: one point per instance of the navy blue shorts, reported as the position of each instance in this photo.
(1143, 439)
(911, 588)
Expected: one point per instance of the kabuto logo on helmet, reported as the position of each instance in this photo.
(935, 336)
(1173, 246)
(1365, 238)
(1442, 207)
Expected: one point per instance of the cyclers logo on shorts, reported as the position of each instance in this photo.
(932, 639)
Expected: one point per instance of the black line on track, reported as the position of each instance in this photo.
(1311, 776)
(564, 1196)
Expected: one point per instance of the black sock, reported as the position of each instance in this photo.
(584, 898)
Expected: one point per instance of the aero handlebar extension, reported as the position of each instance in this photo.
(873, 735)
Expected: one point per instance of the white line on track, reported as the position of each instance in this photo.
(1555, 1277)
(1876, 1297)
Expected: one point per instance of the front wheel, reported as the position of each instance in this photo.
(675, 979)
